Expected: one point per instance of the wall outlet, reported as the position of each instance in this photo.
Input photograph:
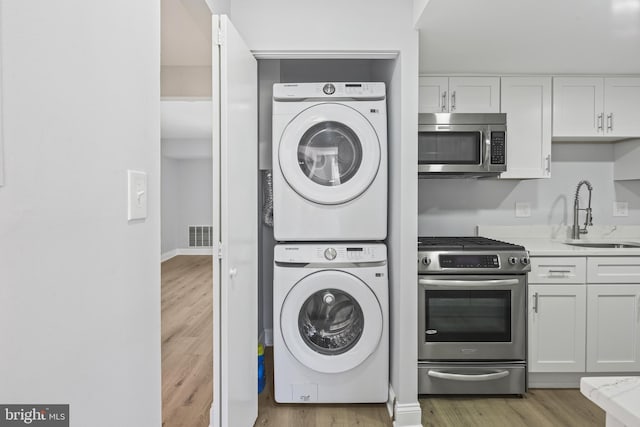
(523, 209)
(620, 208)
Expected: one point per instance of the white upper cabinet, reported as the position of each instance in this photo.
(527, 103)
(433, 95)
(622, 106)
(596, 107)
(459, 94)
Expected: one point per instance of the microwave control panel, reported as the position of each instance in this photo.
(497, 148)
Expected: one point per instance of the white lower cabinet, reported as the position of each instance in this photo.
(557, 322)
(613, 328)
(584, 314)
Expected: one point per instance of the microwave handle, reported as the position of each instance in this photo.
(467, 283)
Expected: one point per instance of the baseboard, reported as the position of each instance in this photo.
(268, 337)
(185, 251)
(407, 414)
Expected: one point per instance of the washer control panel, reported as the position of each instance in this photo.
(303, 91)
(332, 253)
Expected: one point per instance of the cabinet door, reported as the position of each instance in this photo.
(527, 103)
(622, 106)
(433, 95)
(474, 94)
(557, 319)
(578, 106)
(613, 328)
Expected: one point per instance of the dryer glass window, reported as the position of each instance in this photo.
(331, 322)
(330, 153)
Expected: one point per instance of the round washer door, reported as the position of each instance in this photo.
(331, 321)
(329, 154)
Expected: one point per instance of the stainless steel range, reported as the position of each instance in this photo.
(472, 316)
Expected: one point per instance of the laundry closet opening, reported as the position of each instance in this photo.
(272, 71)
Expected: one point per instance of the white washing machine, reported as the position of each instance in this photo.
(331, 323)
(329, 161)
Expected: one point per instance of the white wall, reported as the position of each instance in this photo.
(80, 286)
(530, 36)
(456, 206)
(186, 199)
(378, 25)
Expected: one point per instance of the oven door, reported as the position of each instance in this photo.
(472, 317)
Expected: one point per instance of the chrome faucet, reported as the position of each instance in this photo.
(577, 231)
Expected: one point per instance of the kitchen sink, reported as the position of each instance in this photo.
(611, 245)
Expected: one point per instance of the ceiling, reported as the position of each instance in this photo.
(530, 36)
(185, 33)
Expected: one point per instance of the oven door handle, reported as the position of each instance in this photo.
(468, 283)
(467, 377)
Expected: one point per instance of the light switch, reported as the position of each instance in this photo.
(137, 195)
(523, 209)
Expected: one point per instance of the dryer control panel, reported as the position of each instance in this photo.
(330, 253)
(302, 91)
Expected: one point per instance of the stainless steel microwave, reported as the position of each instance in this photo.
(462, 144)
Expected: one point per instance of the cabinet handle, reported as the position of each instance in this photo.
(444, 101)
(560, 271)
(610, 122)
(535, 303)
(548, 168)
(453, 100)
(600, 122)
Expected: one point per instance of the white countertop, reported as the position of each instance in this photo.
(619, 397)
(546, 240)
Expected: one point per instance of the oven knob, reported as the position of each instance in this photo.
(524, 260)
(330, 254)
(426, 260)
(513, 260)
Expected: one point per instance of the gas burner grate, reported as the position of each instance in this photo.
(463, 243)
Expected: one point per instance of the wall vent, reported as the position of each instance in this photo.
(200, 236)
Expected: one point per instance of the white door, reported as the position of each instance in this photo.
(557, 323)
(613, 326)
(235, 166)
(331, 321)
(329, 154)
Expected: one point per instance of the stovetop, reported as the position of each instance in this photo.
(469, 243)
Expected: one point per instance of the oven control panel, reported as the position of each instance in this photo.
(469, 261)
(451, 262)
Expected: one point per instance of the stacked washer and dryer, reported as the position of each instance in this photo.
(330, 296)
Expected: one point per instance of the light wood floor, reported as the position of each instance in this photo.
(187, 341)
(187, 377)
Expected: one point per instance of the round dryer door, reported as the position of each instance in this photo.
(329, 153)
(331, 321)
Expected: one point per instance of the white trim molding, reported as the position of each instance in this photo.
(324, 54)
(403, 414)
(407, 415)
(185, 251)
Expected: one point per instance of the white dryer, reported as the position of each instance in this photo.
(331, 323)
(329, 161)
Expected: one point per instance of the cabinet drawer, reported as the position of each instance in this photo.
(613, 269)
(558, 270)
